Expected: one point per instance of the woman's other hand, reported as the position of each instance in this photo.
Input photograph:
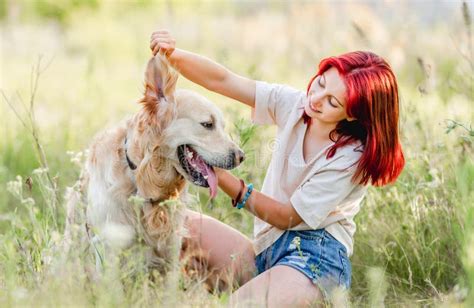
(162, 41)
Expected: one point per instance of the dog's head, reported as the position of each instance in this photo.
(178, 134)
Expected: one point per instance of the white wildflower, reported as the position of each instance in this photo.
(28, 202)
(55, 237)
(460, 293)
(296, 241)
(20, 293)
(16, 187)
(76, 158)
(40, 171)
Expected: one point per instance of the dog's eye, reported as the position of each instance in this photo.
(208, 125)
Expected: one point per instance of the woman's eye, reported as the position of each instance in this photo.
(319, 82)
(208, 125)
(330, 103)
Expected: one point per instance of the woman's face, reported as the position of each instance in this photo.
(327, 98)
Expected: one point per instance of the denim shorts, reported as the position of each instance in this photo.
(315, 253)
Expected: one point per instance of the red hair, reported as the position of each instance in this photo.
(372, 98)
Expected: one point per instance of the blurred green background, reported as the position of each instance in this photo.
(415, 240)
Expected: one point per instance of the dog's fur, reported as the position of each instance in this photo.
(168, 119)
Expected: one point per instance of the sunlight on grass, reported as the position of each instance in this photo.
(415, 239)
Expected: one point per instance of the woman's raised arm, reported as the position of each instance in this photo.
(204, 71)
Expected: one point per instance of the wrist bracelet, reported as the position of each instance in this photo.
(240, 205)
(241, 191)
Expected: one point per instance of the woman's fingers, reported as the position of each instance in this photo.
(165, 46)
(162, 41)
(162, 31)
(155, 50)
(158, 36)
(155, 45)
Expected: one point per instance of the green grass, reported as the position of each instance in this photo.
(414, 244)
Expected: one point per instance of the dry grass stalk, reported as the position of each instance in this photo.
(31, 126)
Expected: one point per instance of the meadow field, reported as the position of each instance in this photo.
(71, 68)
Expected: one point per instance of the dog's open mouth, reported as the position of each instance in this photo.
(200, 172)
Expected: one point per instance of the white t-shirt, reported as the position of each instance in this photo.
(320, 190)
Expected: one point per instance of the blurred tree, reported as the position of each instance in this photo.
(3, 9)
(49, 9)
(60, 10)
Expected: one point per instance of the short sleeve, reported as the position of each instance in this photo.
(274, 103)
(321, 194)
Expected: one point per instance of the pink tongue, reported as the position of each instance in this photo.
(212, 180)
(209, 172)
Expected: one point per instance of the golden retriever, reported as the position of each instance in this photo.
(177, 135)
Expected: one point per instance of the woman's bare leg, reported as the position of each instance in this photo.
(280, 286)
(229, 254)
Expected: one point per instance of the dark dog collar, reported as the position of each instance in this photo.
(130, 163)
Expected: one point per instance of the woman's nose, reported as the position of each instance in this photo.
(314, 99)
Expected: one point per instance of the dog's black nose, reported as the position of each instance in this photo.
(240, 156)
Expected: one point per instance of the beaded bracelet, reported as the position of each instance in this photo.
(236, 200)
(240, 205)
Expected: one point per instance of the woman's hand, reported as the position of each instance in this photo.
(162, 41)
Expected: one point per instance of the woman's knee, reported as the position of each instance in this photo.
(280, 286)
(192, 222)
(228, 253)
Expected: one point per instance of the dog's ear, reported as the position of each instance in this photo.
(160, 84)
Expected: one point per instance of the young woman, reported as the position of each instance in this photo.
(334, 139)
